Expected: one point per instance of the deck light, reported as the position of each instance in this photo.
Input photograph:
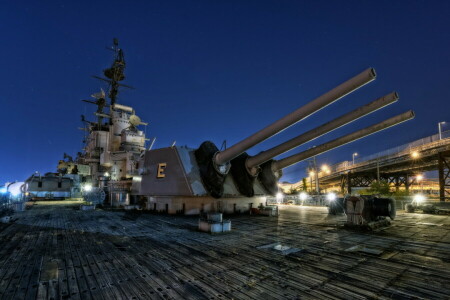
(87, 188)
(303, 196)
(279, 196)
(419, 198)
(331, 196)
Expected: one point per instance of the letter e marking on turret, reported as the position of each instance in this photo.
(160, 173)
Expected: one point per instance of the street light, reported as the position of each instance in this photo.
(440, 129)
(325, 169)
(419, 179)
(415, 154)
(353, 157)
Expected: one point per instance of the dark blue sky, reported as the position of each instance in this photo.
(217, 70)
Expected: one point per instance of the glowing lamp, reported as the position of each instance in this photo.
(303, 196)
(279, 196)
(87, 188)
(331, 196)
(419, 198)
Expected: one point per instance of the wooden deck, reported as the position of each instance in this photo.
(54, 251)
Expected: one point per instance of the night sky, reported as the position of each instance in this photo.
(217, 70)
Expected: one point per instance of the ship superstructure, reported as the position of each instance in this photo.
(114, 143)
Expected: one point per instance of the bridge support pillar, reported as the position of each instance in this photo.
(349, 183)
(397, 184)
(407, 183)
(444, 175)
(346, 183)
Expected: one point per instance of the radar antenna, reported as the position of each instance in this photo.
(115, 73)
(135, 121)
(101, 103)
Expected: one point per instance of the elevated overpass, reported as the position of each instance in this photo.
(396, 166)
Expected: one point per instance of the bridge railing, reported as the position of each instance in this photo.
(396, 151)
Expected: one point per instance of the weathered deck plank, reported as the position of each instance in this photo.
(54, 251)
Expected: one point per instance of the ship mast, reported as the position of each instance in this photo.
(115, 73)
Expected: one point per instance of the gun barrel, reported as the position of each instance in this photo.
(297, 115)
(321, 130)
(291, 160)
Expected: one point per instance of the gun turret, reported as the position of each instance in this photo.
(214, 165)
(246, 167)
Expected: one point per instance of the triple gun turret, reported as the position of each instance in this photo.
(214, 165)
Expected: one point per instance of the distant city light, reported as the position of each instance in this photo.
(325, 169)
